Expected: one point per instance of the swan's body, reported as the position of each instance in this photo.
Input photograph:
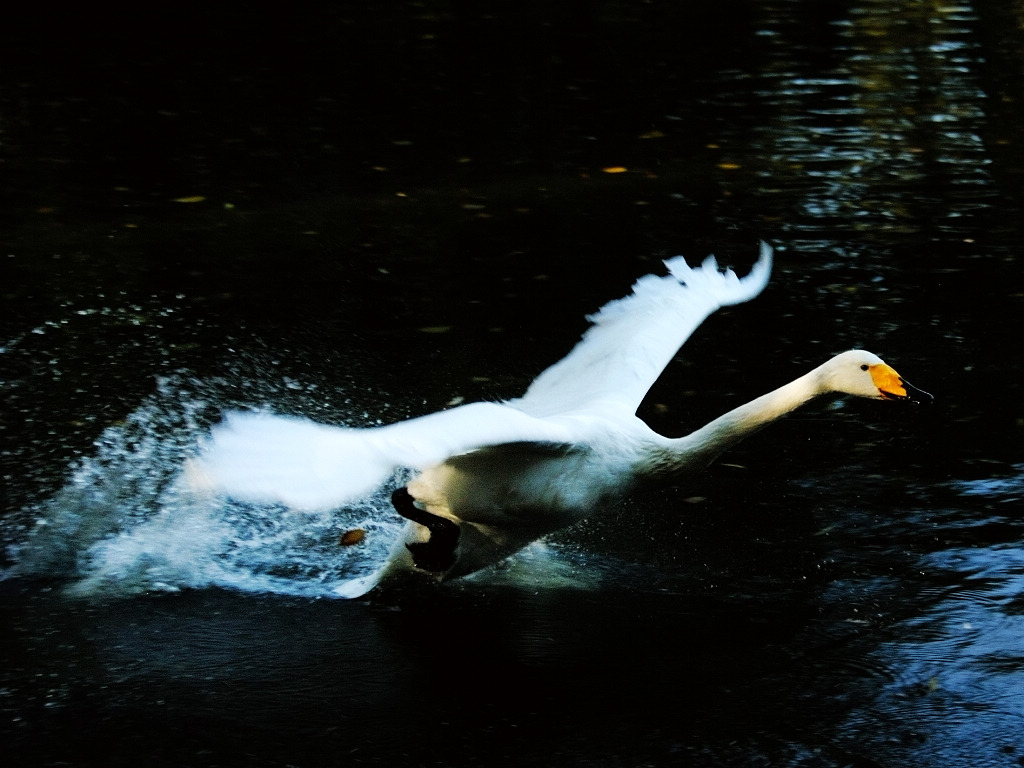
(494, 477)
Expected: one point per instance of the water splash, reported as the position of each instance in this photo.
(128, 523)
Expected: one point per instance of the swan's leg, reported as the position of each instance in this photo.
(437, 553)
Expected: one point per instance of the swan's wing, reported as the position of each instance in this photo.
(632, 339)
(281, 459)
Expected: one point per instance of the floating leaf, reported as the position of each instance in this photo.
(189, 199)
(354, 536)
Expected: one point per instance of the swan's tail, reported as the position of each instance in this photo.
(277, 459)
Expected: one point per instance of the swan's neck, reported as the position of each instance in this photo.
(700, 448)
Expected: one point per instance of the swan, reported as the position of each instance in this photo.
(492, 477)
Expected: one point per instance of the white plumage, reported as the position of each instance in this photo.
(492, 477)
(634, 338)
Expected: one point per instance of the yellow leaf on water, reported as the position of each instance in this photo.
(348, 538)
(189, 199)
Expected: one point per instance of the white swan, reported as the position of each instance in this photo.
(494, 477)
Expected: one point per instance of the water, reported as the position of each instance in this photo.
(128, 521)
(401, 209)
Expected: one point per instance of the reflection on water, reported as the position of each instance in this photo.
(884, 136)
(938, 601)
(845, 590)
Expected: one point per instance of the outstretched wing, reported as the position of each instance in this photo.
(632, 339)
(267, 458)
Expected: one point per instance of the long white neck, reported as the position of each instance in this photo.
(700, 448)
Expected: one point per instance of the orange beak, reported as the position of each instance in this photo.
(891, 385)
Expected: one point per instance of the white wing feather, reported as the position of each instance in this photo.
(632, 339)
(265, 458)
(305, 465)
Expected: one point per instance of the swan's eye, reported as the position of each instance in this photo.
(864, 367)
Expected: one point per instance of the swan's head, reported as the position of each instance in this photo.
(863, 374)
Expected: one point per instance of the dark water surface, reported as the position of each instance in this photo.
(365, 214)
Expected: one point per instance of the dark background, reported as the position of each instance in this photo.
(360, 213)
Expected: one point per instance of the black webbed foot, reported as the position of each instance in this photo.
(438, 553)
